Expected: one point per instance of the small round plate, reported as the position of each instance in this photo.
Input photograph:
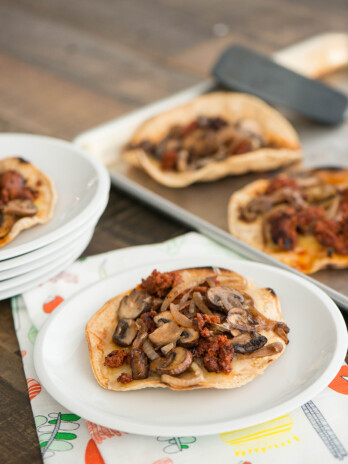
(32, 279)
(29, 261)
(80, 180)
(318, 343)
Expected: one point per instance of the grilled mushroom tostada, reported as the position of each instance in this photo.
(300, 219)
(192, 328)
(27, 197)
(214, 136)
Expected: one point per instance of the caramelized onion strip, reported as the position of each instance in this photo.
(149, 350)
(180, 318)
(182, 383)
(198, 299)
(179, 289)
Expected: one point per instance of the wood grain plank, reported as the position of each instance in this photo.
(94, 63)
(19, 443)
(36, 101)
(169, 27)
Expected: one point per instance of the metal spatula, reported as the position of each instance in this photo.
(245, 70)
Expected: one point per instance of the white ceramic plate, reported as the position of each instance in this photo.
(318, 343)
(64, 250)
(23, 283)
(31, 260)
(80, 181)
(41, 270)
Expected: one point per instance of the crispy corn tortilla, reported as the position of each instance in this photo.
(232, 107)
(101, 326)
(309, 255)
(44, 202)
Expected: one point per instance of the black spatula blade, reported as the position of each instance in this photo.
(244, 70)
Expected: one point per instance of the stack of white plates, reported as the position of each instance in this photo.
(82, 185)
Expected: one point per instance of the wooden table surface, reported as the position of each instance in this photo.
(68, 65)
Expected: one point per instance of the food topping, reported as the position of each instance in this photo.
(116, 358)
(305, 205)
(217, 353)
(16, 200)
(125, 332)
(201, 322)
(12, 186)
(134, 304)
(124, 378)
(206, 139)
(139, 364)
(160, 283)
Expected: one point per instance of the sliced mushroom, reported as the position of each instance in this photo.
(189, 338)
(224, 298)
(133, 305)
(166, 333)
(175, 363)
(240, 319)
(179, 382)
(163, 318)
(20, 207)
(6, 223)
(259, 205)
(224, 327)
(125, 332)
(139, 364)
(268, 350)
(244, 346)
(141, 335)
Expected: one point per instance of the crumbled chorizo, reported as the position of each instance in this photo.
(244, 146)
(116, 358)
(11, 180)
(280, 182)
(217, 353)
(307, 218)
(12, 186)
(159, 284)
(124, 378)
(168, 160)
(283, 228)
(149, 322)
(201, 289)
(333, 234)
(200, 322)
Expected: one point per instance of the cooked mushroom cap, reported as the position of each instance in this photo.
(163, 318)
(125, 332)
(134, 305)
(141, 335)
(20, 207)
(189, 338)
(255, 342)
(240, 319)
(175, 363)
(6, 223)
(166, 333)
(224, 298)
(139, 364)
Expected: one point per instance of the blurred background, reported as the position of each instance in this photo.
(69, 65)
